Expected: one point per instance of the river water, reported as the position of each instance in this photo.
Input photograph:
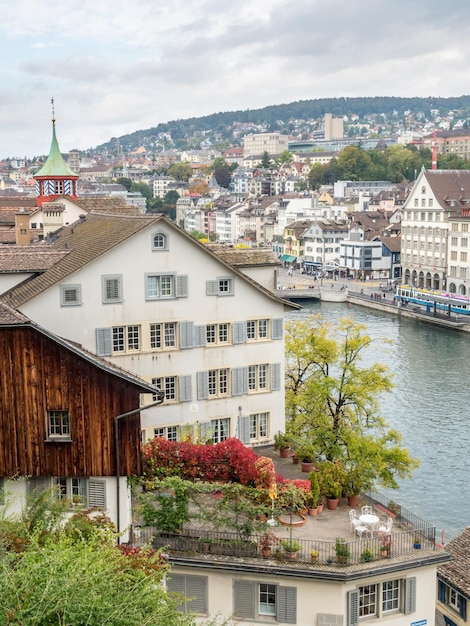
(429, 405)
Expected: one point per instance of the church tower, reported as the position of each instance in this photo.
(55, 178)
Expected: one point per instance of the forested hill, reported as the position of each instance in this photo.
(277, 117)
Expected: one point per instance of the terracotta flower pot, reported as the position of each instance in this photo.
(284, 452)
(332, 503)
(353, 501)
(307, 467)
(313, 512)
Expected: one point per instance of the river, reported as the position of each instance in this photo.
(429, 405)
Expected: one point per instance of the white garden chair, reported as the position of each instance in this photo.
(354, 520)
(366, 510)
(386, 528)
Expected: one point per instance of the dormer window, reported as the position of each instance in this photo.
(160, 241)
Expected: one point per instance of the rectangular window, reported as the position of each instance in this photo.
(111, 289)
(257, 330)
(223, 286)
(126, 338)
(73, 489)
(217, 334)
(133, 338)
(463, 242)
(258, 377)
(163, 335)
(267, 599)
(454, 241)
(167, 432)
(463, 257)
(58, 425)
(390, 596)
(220, 429)
(367, 600)
(160, 286)
(168, 384)
(218, 382)
(258, 426)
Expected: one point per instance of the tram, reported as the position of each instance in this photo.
(433, 301)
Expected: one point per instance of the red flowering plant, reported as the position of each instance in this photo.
(145, 560)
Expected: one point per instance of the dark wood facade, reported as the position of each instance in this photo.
(40, 373)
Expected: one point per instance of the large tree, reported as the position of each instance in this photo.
(332, 402)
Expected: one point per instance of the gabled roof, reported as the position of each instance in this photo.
(92, 237)
(451, 188)
(10, 317)
(32, 258)
(240, 257)
(457, 571)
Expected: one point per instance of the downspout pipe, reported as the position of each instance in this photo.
(161, 397)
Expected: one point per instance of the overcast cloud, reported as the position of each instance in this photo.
(120, 66)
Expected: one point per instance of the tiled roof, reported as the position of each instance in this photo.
(457, 572)
(245, 258)
(451, 187)
(28, 258)
(7, 215)
(392, 243)
(17, 202)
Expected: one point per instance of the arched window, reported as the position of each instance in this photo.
(159, 241)
(423, 189)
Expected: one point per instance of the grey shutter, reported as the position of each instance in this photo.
(244, 428)
(196, 591)
(238, 332)
(410, 595)
(204, 430)
(185, 389)
(104, 342)
(202, 379)
(275, 377)
(286, 605)
(181, 286)
(353, 608)
(176, 584)
(239, 381)
(200, 336)
(97, 493)
(244, 597)
(212, 287)
(186, 335)
(277, 328)
(463, 607)
(441, 591)
(37, 484)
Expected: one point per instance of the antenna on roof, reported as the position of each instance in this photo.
(53, 112)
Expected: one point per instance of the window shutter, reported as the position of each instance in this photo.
(410, 595)
(244, 594)
(463, 607)
(277, 328)
(239, 381)
(212, 287)
(37, 484)
(202, 379)
(275, 376)
(244, 428)
(238, 332)
(286, 605)
(182, 286)
(104, 342)
(199, 336)
(196, 590)
(176, 584)
(97, 493)
(353, 608)
(441, 591)
(185, 390)
(186, 335)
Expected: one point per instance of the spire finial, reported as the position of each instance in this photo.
(53, 112)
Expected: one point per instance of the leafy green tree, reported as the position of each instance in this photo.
(223, 176)
(285, 157)
(315, 176)
(354, 164)
(332, 402)
(142, 188)
(125, 182)
(266, 161)
(180, 171)
(154, 205)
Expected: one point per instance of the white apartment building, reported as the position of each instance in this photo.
(139, 291)
(272, 143)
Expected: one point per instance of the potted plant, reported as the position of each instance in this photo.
(314, 554)
(314, 495)
(332, 482)
(266, 543)
(342, 550)
(367, 554)
(306, 454)
(417, 542)
(283, 443)
(291, 548)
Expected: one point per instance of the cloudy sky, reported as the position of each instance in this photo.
(118, 66)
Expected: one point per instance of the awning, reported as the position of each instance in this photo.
(288, 258)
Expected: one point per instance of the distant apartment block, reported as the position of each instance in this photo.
(272, 143)
(333, 127)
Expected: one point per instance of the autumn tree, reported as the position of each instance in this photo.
(332, 402)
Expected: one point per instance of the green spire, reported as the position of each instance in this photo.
(55, 164)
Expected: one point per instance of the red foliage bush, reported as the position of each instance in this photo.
(229, 460)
